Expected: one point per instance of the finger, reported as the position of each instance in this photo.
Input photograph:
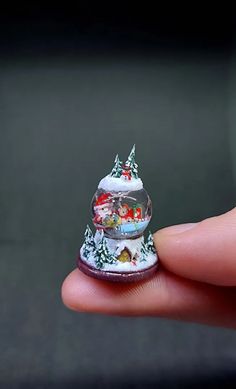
(204, 251)
(165, 295)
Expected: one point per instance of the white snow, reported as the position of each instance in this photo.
(98, 236)
(119, 184)
(115, 247)
(133, 245)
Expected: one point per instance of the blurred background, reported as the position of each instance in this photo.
(77, 85)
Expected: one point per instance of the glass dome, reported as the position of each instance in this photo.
(121, 215)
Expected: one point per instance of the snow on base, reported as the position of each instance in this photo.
(115, 247)
(119, 184)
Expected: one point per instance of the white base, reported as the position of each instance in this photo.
(115, 247)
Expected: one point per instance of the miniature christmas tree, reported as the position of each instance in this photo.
(131, 164)
(144, 252)
(102, 254)
(89, 243)
(117, 169)
(150, 244)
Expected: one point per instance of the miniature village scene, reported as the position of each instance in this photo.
(121, 211)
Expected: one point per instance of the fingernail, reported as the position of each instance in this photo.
(177, 229)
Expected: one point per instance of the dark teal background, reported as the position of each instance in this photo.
(71, 97)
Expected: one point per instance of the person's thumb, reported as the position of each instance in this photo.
(204, 251)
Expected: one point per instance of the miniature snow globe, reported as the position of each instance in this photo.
(121, 211)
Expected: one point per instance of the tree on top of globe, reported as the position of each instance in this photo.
(128, 170)
(131, 164)
(117, 169)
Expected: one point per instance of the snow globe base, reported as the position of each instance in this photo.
(115, 276)
(117, 260)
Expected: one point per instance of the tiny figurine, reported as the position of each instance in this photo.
(121, 210)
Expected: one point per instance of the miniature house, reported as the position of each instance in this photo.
(125, 255)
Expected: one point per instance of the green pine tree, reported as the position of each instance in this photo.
(89, 243)
(130, 163)
(143, 252)
(150, 244)
(102, 254)
(117, 169)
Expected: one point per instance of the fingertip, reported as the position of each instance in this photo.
(86, 294)
(67, 292)
(75, 291)
(165, 295)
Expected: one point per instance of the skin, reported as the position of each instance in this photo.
(196, 280)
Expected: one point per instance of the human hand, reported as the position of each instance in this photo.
(196, 280)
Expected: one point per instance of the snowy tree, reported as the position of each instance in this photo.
(89, 243)
(103, 255)
(117, 169)
(131, 164)
(150, 244)
(144, 252)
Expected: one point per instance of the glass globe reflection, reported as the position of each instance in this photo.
(121, 215)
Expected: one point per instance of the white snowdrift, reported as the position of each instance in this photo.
(119, 184)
